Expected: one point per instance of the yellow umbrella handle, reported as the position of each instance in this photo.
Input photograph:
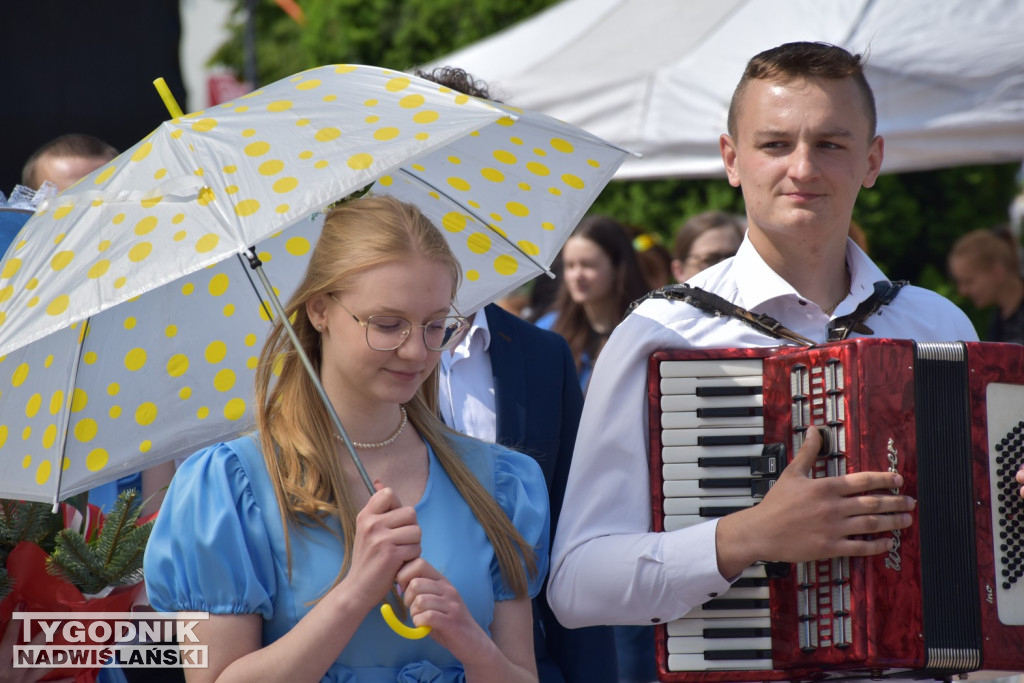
(168, 98)
(398, 627)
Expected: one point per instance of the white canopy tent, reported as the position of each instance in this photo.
(656, 76)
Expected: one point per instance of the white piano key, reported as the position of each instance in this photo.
(698, 663)
(692, 471)
(683, 454)
(689, 385)
(690, 403)
(722, 367)
(698, 645)
(688, 437)
(692, 505)
(683, 488)
(693, 421)
(695, 627)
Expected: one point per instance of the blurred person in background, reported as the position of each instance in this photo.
(601, 277)
(704, 240)
(985, 266)
(66, 159)
(654, 259)
(508, 381)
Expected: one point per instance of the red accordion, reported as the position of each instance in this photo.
(949, 417)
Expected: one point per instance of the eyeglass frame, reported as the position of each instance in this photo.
(365, 324)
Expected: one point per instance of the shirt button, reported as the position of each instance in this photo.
(712, 595)
(655, 620)
(802, 302)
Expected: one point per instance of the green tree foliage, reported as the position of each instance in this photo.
(911, 219)
(113, 557)
(397, 34)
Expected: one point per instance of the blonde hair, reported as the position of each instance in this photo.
(296, 432)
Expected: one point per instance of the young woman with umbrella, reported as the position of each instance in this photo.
(278, 538)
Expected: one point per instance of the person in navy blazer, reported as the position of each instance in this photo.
(538, 402)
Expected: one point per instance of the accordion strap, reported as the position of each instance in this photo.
(840, 329)
(884, 293)
(717, 306)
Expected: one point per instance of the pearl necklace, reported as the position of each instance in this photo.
(390, 439)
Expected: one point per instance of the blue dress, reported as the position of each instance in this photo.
(218, 546)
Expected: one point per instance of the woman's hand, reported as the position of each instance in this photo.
(434, 602)
(387, 537)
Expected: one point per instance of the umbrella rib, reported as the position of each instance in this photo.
(257, 265)
(547, 271)
(66, 413)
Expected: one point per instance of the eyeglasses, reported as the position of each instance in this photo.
(388, 332)
(708, 260)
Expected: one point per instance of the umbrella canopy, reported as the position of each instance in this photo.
(128, 325)
(657, 77)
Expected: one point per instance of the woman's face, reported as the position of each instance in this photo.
(416, 289)
(588, 271)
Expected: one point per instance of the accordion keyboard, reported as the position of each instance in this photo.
(712, 436)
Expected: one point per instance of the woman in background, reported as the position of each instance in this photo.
(600, 278)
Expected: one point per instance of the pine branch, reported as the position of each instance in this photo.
(76, 561)
(126, 562)
(113, 558)
(6, 583)
(117, 523)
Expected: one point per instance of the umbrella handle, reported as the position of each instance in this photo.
(165, 94)
(398, 627)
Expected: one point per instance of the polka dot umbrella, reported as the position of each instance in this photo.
(130, 322)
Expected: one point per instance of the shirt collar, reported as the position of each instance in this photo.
(478, 332)
(754, 283)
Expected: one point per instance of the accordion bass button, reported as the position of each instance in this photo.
(826, 441)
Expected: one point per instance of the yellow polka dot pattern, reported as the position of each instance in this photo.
(151, 368)
(144, 249)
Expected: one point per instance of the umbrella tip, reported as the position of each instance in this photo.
(168, 98)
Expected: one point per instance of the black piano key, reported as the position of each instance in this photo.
(725, 655)
(758, 487)
(750, 582)
(731, 411)
(729, 391)
(720, 510)
(730, 440)
(738, 632)
(725, 483)
(736, 604)
(725, 461)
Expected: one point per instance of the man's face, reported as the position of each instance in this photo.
(801, 155)
(65, 171)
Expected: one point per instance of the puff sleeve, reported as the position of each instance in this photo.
(209, 549)
(521, 492)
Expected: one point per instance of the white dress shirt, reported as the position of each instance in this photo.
(607, 567)
(466, 384)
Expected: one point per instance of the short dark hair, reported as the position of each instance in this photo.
(79, 145)
(457, 79)
(805, 60)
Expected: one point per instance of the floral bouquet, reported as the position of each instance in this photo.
(70, 561)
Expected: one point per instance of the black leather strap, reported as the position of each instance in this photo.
(884, 293)
(717, 306)
(839, 329)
